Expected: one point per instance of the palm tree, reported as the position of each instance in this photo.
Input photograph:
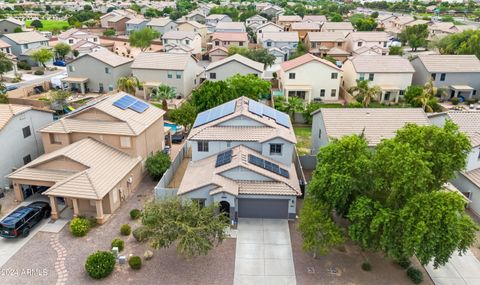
(128, 84)
(427, 95)
(163, 93)
(362, 90)
(294, 104)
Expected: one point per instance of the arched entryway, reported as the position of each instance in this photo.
(225, 208)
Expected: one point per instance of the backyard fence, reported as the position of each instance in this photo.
(162, 190)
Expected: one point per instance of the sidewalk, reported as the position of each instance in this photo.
(460, 270)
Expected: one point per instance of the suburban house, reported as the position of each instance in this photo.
(217, 53)
(196, 16)
(396, 24)
(230, 27)
(192, 40)
(268, 27)
(108, 67)
(232, 65)
(373, 40)
(319, 19)
(177, 70)
(242, 159)
(94, 156)
(299, 77)
(342, 27)
(255, 21)
(393, 74)
(459, 74)
(135, 24)
(284, 41)
(303, 28)
(213, 19)
(162, 25)
(327, 44)
(287, 20)
(8, 25)
(73, 36)
(118, 23)
(271, 10)
(193, 26)
(6, 48)
(375, 124)
(113, 16)
(229, 39)
(19, 125)
(25, 43)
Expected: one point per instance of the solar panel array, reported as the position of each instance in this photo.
(129, 102)
(215, 113)
(223, 158)
(264, 110)
(272, 167)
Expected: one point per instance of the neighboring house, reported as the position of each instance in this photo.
(286, 21)
(268, 27)
(21, 143)
(342, 27)
(373, 40)
(192, 26)
(192, 40)
(5, 48)
(232, 65)
(230, 27)
(73, 36)
(374, 124)
(396, 24)
(303, 28)
(242, 159)
(271, 10)
(214, 19)
(84, 47)
(25, 43)
(113, 16)
(196, 16)
(255, 21)
(217, 53)
(135, 24)
(162, 25)
(118, 23)
(8, 26)
(97, 71)
(310, 78)
(327, 43)
(459, 74)
(285, 41)
(393, 74)
(319, 19)
(229, 39)
(178, 70)
(94, 156)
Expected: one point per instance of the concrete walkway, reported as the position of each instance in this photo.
(264, 253)
(460, 270)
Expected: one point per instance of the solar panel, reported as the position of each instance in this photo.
(267, 165)
(269, 112)
(125, 102)
(223, 158)
(284, 173)
(215, 113)
(255, 107)
(201, 119)
(282, 119)
(139, 107)
(229, 108)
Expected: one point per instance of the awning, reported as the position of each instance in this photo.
(389, 87)
(298, 87)
(461, 87)
(75, 79)
(151, 84)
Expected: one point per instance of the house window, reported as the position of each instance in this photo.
(442, 76)
(187, 42)
(339, 44)
(217, 43)
(269, 44)
(362, 76)
(110, 87)
(474, 92)
(320, 133)
(291, 75)
(334, 75)
(55, 138)
(25, 46)
(71, 68)
(322, 92)
(169, 74)
(202, 146)
(179, 75)
(384, 44)
(401, 92)
(240, 44)
(333, 93)
(26, 132)
(275, 149)
(213, 75)
(371, 76)
(125, 142)
(27, 159)
(434, 76)
(70, 41)
(200, 202)
(107, 70)
(359, 44)
(95, 40)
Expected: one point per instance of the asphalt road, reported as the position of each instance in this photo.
(36, 80)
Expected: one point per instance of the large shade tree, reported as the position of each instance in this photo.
(143, 38)
(42, 56)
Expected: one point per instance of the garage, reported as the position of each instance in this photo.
(263, 208)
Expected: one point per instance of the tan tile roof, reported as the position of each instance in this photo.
(14, 21)
(315, 18)
(26, 37)
(107, 57)
(450, 63)
(3, 44)
(160, 22)
(368, 36)
(231, 37)
(161, 61)
(326, 36)
(337, 51)
(301, 60)
(105, 167)
(305, 26)
(179, 35)
(8, 111)
(230, 25)
(194, 24)
(473, 176)
(238, 58)
(337, 26)
(469, 123)
(136, 20)
(116, 18)
(289, 18)
(280, 36)
(382, 64)
(375, 123)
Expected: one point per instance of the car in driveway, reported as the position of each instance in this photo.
(23, 219)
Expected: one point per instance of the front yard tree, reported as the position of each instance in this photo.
(211, 94)
(42, 56)
(193, 229)
(143, 38)
(62, 50)
(415, 36)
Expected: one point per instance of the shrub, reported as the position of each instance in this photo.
(125, 230)
(118, 243)
(24, 65)
(79, 226)
(39, 72)
(135, 262)
(415, 275)
(100, 264)
(135, 214)
(455, 100)
(366, 266)
(157, 164)
(471, 101)
(140, 234)
(404, 263)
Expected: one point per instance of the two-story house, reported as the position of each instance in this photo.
(73, 36)
(173, 39)
(9, 25)
(229, 39)
(5, 48)
(242, 159)
(232, 65)
(230, 27)
(327, 43)
(95, 156)
(196, 16)
(213, 19)
(310, 78)
(135, 24)
(280, 44)
(255, 21)
(459, 74)
(97, 71)
(393, 74)
(196, 27)
(342, 27)
(319, 19)
(268, 27)
(21, 143)
(25, 43)
(107, 19)
(118, 23)
(177, 70)
(371, 40)
(162, 25)
(303, 28)
(287, 20)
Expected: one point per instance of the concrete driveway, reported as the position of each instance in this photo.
(264, 253)
(460, 270)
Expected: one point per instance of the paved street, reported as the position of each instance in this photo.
(264, 253)
(34, 79)
(460, 270)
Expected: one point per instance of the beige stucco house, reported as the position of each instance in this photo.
(193, 26)
(373, 40)
(327, 43)
(232, 65)
(8, 26)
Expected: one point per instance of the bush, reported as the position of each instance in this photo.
(366, 266)
(24, 65)
(118, 243)
(415, 275)
(125, 230)
(471, 101)
(135, 262)
(135, 214)
(79, 226)
(39, 72)
(404, 263)
(455, 100)
(157, 164)
(100, 264)
(140, 234)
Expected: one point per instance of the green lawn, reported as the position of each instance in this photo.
(49, 25)
(304, 139)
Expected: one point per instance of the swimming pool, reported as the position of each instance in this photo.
(172, 126)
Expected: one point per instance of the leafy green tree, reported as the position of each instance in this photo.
(365, 92)
(374, 15)
(248, 85)
(17, 30)
(157, 164)
(259, 55)
(299, 51)
(466, 42)
(415, 36)
(163, 93)
(184, 115)
(6, 64)
(426, 96)
(143, 38)
(128, 84)
(395, 50)
(365, 24)
(60, 95)
(109, 32)
(211, 94)
(412, 92)
(290, 106)
(335, 17)
(42, 56)
(3, 93)
(62, 50)
(309, 109)
(37, 24)
(193, 229)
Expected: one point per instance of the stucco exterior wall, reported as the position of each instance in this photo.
(230, 69)
(319, 136)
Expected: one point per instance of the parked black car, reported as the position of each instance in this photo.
(23, 219)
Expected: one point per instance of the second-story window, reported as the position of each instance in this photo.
(275, 149)
(107, 70)
(359, 44)
(213, 75)
(371, 76)
(27, 159)
(333, 93)
(71, 68)
(361, 76)
(202, 146)
(443, 76)
(291, 75)
(269, 44)
(169, 74)
(26, 132)
(187, 42)
(125, 142)
(434, 76)
(322, 92)
(179, 75)
(334, 75)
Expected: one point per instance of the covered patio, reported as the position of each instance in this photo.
(389, 93)
(301, 91)
(464, 91)
(77, 83)
(148, 87)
